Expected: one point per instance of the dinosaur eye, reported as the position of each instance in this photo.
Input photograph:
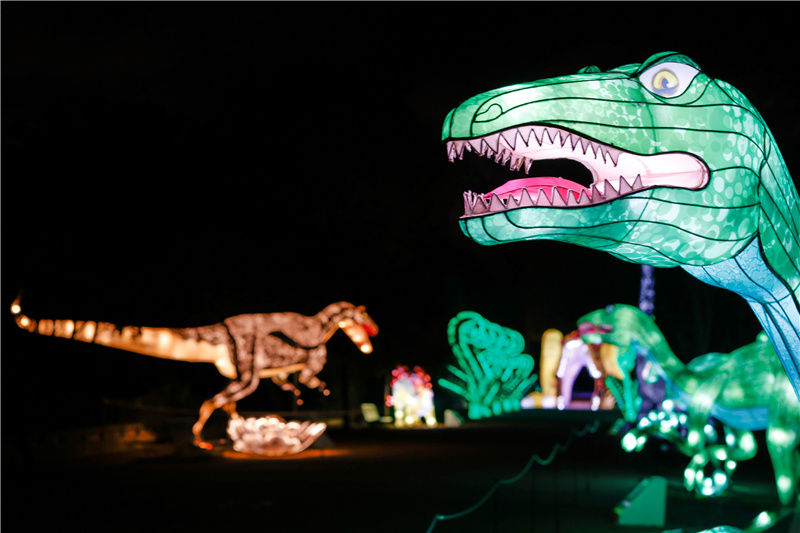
(668, 79)
(665, 82)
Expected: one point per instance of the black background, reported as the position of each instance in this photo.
(172, 164)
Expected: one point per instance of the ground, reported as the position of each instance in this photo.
(375, 479)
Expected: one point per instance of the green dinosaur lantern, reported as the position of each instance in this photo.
(493, 375)
(708, 407)
(684, 172)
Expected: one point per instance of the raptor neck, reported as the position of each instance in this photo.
(775, 306)
(331, 317)
(651, 342)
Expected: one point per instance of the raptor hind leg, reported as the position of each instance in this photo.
(230, 408)
(235, 391)
(282, 382)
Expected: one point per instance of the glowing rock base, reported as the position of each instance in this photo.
(271, 435)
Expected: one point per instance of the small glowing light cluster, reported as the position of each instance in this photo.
(272, 435)
(708, 407)
(665, 423)
(712, 463)
(708, 474)
(412, 397)
(493, 375)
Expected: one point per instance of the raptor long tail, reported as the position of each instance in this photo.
(166, 343)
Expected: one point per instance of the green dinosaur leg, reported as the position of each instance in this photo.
(706, 473)
(783, 438)
(700, 405)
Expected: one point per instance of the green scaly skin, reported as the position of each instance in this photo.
(685, 173)
(746, 390)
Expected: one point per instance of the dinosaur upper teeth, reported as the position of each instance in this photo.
(479, 204)
(522, 145)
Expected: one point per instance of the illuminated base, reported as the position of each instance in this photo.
(271, 435)
(537, 400)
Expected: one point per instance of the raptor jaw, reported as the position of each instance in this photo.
(358, 334)
(615, 172)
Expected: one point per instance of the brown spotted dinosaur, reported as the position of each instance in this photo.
(244, 348)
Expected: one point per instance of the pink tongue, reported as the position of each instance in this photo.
(534, 184)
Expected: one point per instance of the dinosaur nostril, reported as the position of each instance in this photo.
(490, 113)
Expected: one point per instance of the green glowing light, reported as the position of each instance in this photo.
(725, 397)
(747, 443)
(629, 442)
(625, 392)
(763, 519)
(688, 477)
(784, 483)
(782, 437)
(493, 375)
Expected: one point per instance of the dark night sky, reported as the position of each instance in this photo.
(172, 164)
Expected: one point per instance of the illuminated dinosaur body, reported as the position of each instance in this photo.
(244, 348)
(684, 172)
(575, 356)
(745, 390)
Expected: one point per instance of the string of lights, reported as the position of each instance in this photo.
(535, 459)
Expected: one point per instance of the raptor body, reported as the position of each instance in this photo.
(244, 348)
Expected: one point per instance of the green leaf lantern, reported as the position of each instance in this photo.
(492, 374)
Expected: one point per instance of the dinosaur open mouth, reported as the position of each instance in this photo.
(614, 172)
(358, 333)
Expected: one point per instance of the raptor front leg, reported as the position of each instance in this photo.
(316, 362)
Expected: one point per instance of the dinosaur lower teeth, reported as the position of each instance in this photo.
(480, 204)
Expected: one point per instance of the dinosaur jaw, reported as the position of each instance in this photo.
(358, 334)
(615, 172)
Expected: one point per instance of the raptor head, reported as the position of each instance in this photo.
(617, 324)
(672, 160)
(593, 334)
(359, 326)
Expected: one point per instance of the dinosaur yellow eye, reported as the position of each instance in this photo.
(668, 79)
(665, 82)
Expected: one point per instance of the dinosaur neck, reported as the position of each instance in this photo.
(330, 318)
(775, 306)
(651, 342)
